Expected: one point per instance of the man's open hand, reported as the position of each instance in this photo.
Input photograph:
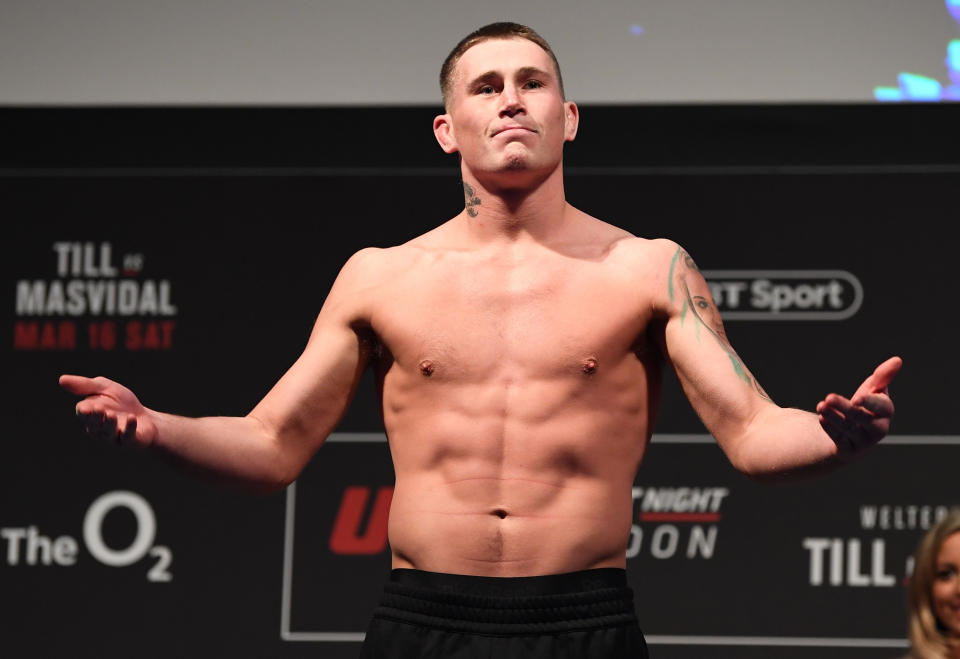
(863, 420)
(110, 410)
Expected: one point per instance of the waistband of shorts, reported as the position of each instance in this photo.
(585, 600)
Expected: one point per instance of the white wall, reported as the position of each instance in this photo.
(380, 52)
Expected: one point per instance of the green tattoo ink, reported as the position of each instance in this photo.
(734, 359)
(688, 303)
(738, 369)
(471, 200)
(673, 264)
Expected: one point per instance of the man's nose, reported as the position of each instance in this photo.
(510, 103)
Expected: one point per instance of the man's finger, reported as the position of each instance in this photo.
(879, 405)
(880, 379)
(853, 414)
(130, 431)
(862, 411)
(93, 405)
(92, 422)
(108, 430)
(869, 414)
(835, 400)
(878, 429)
(848, 436)
(77, 384)
(833, 417)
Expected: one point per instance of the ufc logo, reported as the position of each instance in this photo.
(347, 537)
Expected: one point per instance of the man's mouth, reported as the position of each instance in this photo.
(508, 129)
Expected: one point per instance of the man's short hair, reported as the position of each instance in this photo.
(501, 30)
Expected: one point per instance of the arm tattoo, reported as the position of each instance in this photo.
(763, 394)
(471, 199)
(703, 308)
(673, 265)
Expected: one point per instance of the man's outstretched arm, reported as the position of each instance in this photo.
(760, 438)
(266, 449)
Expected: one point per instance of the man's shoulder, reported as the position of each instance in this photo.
(646, 266)
(644, 252)
(374, 266)
(362, 264)
(375, 262)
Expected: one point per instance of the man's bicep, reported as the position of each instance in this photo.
(311, 397)
(719, 385)
(305, 405)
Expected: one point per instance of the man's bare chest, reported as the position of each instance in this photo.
(525, 323)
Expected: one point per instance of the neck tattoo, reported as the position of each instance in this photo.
(470, 199)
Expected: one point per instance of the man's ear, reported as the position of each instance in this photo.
(443, 131)
(571, 121)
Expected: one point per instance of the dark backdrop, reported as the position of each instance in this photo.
(220, 230)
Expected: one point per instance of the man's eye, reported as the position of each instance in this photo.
(486, 89)
(533, 84)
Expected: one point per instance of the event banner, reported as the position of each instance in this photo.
(197, 287)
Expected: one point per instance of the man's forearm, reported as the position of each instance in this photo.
(240, 450)
(785, 444)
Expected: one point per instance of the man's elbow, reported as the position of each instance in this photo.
(270, 484)
(281, 465)
(750, 466)
(761, 467)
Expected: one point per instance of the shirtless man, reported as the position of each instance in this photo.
(518, 351)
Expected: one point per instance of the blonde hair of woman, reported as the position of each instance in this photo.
(935, 592)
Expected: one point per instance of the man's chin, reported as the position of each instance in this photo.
(517, 163)
(515, 157)
(516, 170)
(517, 160)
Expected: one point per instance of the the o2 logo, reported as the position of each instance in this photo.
(27, 546)
(142, 543)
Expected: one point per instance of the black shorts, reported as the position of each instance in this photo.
(586, 614)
